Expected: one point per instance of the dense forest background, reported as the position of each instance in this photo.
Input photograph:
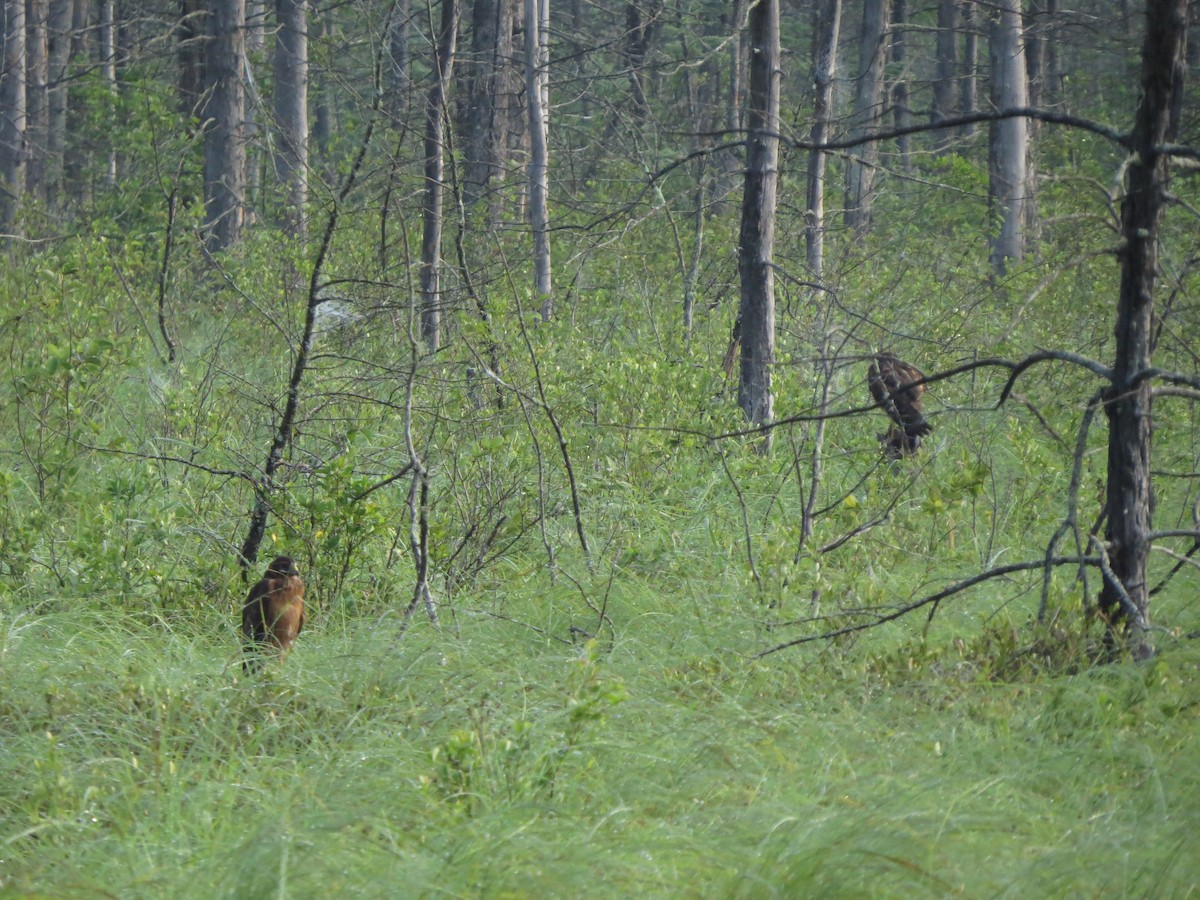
(610, 580)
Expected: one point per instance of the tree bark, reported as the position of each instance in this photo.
(493, 83)
(829, 15)
(945, 80)
(189, 38)
(399, 58)
(223, 114)
(291, 111)
(756, 245)
(537, 83)
(37, 77)
(868, 111)
(1125, 599)
(968, 87)
(902, 115)
(13, 103)
(435, 140)
(61, 22)
(1008, 145)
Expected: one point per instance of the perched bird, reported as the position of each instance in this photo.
(893, 385)
(274, 612)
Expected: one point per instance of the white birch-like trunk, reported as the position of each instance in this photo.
(537, 91)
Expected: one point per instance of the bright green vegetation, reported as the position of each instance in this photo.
(597, 724)
(496, 763)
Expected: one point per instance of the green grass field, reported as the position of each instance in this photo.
(137, 761)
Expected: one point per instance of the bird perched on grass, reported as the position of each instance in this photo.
(893, 384)
(274, 612)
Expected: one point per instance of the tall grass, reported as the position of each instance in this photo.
(496, 762)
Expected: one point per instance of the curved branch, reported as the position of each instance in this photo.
(955, 588)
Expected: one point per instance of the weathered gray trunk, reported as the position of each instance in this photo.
(537, 83)
(868, 111)
(756, 244)
(291, 110)
(829, 24)
(945, 81)
(62, 13)
(399, 62)
(901, 114)
(1008, 186)
(435, 172)
(37, 78)
(1130, 501)
(12, 102)
(493, 84)
(223, 114)
(968, 93)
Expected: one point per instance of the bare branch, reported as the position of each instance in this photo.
(955, 588)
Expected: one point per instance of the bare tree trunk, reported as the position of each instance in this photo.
(61, 21)
(13, 119)
(756, 244)
(37, 77)
(189, 37)
(868, 110)
(1125, 600)
(537, 82)
(829, 14)
(902, 115)
(1008, 186)
(491, 86)
(968, 95)
(224, 114)
(108, 74)
(946, 78)
(399, 79)
(435, 140)
(291, 110)
(256, 26)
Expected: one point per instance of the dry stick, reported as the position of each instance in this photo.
(282, 440)
(1071, 522)
(1186, 557)
(524, 400)
(576, 506)
(1132, 613)
(165, 267)
(745, 517)
(955, 588)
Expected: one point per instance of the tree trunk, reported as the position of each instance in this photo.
(291, 110)
(435, 140)
(756, 244)
(1125, 601)
(968, 88)
(108, 74)
(399, 58)
(37, 99)
(492, 83)
(189, 37)
(868, 111)
(829, 15)
(12, 122)
(1008, 145)
(224, 114)
(902, 115)
(945, 80)
(61, 21)
(537, 57)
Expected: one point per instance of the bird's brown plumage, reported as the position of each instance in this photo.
(274, 611)
(893, 385)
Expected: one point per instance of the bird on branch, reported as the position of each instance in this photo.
(894, 387)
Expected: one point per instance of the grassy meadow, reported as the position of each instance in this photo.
(594, 713)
